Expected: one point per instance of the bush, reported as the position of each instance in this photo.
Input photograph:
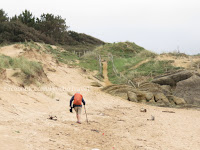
(18, 32)
(84, 39)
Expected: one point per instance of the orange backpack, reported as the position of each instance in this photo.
(78, 99)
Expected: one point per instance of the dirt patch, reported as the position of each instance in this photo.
(179, 61)
(11, 50)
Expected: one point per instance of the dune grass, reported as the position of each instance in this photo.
(29, 68)
(61, 55)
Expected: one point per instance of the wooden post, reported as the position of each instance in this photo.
(100, 64)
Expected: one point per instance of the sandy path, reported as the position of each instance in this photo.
(114, 123)
(105, 74)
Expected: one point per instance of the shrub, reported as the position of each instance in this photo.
(18, 32)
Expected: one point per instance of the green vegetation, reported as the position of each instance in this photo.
(48, 28)
(121, 49)
(30, 69)
(155, 68)
(61, 55)
(123, 66)
(128, 61)
(89, 61)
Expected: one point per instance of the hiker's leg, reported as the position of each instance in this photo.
(79, 114)
(79, 118)
(76, 110)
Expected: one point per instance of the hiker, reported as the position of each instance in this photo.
(77, 105)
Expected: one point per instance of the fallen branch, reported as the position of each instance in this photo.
(168, 111)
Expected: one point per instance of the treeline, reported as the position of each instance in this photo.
(48, 28)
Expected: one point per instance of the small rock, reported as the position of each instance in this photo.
(160, 97)
(69, 93)
(178, 100)
(132, 96)
(52, 118)
(95, 130)
(152, 118)
(143, 110)
(148, 95)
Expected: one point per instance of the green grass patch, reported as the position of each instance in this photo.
(30, 69)
(113, 77)
(124, 64)
(155, 68)
(89, 63)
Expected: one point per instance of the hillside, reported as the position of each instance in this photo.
(114, 123)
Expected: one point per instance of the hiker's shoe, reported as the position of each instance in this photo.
(78, 122)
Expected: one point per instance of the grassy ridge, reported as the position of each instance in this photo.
(121, 49)
(126, 56)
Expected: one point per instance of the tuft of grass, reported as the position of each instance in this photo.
(31, 45)
(30, 69)
(147, 54)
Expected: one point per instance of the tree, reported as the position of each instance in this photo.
(26, 18)
(3, 16)
(53, 26)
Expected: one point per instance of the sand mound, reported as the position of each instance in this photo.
(12, 50)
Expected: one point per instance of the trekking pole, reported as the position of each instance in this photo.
(86, 114)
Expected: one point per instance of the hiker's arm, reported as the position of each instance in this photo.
(83, 101)
(70, 105)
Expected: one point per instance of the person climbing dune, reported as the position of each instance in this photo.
(77, 105)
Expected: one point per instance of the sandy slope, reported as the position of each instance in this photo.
(114, 123)
(185, 62)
